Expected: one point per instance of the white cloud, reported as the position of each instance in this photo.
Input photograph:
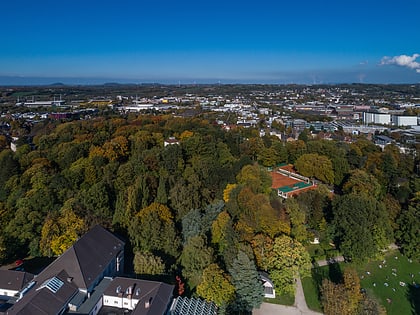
(403, 61)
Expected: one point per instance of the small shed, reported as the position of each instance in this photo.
(268, 285)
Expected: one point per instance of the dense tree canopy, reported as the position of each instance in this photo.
(361, 225)
(409, 230)
(166, 200)
(314, 165)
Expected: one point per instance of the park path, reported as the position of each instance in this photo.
(299, 308)
(330, 261)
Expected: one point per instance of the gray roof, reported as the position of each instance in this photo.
(44, 300)
(158, 294)
(78, 268)
(88, 304)
(14, 280)
(87, 258)
(384, 138)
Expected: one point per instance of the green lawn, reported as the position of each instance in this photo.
(281, 299)
(402, 300)
(311, 294)
(384, 283)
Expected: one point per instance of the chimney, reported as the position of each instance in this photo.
(148, 303)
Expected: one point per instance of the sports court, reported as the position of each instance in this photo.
(289, 183)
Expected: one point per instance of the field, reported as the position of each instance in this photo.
(281, 299)
(311, 294)
(395, 282)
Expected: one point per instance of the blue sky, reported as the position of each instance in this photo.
(211, 41)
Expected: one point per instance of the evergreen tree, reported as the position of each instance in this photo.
(162, 195)
(199, 222)
(249, 289)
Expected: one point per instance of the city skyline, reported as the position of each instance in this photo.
(214, 42)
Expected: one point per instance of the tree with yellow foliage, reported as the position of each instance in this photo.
(153, 229)
(216, 286)
(228, 190)
(60, 231)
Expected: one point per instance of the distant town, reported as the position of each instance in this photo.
(354, 109)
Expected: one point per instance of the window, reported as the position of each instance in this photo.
(54, 284)
(268, 290)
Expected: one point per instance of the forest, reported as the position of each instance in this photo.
(203, 209)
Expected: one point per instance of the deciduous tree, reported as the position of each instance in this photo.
(342, 298)
(315, 165)
(195, 257)
(409, 229)
(362, 183)
(297, 219)
(61, 230)
(255, 178)
(361, 226)
(333, 298)
(288, 260)
(216, 286)
(153, 229)
(148, 264)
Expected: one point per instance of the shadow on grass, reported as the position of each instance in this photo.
(332, 272)
(413, 296)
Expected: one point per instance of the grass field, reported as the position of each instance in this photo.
(381, 282)
(311, 294)
(281, 299)
(394, 282)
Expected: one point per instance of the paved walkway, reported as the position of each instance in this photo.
(299, 308)
(330, 261)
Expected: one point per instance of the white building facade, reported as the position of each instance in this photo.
(405, 120)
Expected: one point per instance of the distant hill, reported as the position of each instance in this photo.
(112, 84)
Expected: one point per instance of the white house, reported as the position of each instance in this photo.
(144, 296)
